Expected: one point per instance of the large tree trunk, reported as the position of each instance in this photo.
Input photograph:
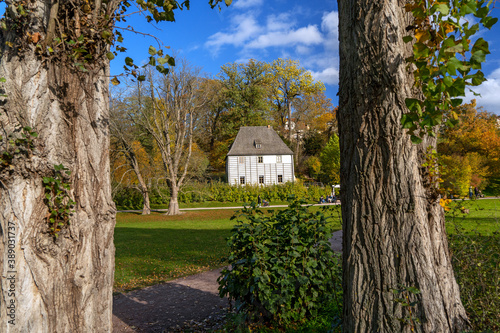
(173, 206)
(146, 207)
(394, 231)
(50, 284)
(130, 155)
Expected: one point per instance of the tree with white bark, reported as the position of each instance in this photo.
(56, 257)
(176, 100)
(125, 137)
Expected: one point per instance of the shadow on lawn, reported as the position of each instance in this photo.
(167, 307)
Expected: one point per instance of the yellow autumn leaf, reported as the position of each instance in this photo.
(444, 203)
(422, 35)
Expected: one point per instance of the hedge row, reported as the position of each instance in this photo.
(222, 192)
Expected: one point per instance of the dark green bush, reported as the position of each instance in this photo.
(282, 266)
(128, 198)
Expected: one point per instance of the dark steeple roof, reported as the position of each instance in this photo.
(258, 140)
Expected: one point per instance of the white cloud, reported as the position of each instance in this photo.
(314, 44)
(281, 22)
(330, 27)
(303, 50)
(243, 4)
(328, 75)
(490, 93)
(309, 35)
(246, 27)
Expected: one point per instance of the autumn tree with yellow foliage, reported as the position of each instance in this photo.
(287, 82)
(470, 151)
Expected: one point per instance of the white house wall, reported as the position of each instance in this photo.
(251, 169)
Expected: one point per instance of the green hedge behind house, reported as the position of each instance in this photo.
(222, 192)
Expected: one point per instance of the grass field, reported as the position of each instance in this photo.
(157, 248)
(483, 216)
(475, 247)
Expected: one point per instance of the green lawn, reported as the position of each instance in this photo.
(483, 216)
(157, 248)
(475, 247)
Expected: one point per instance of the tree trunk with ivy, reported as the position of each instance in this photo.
(56, 258)
(394, 232)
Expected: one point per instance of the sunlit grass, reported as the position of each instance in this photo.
(157, 248)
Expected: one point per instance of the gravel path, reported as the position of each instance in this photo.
(186, 304)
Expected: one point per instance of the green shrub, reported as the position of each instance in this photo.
(282, 266)
(128, 198)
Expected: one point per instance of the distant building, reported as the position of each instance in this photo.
(259, 156)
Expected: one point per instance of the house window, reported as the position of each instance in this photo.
(242, 180)
(280, 178)
(258, 144)
(261, 179)
(260, 159)
(278, 159)
(241, 159)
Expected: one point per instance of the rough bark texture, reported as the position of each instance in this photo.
(63, 284)
(393, 226)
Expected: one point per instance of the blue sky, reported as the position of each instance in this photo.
(267, 30)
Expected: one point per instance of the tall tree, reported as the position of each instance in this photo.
(309, 111)
(239, 98)
(55, 64)
(125, 136)
(470, 151)
(394, 232)
(60, 267)
(176, 101)
(289, 81)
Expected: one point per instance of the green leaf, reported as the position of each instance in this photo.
(152, 61)
(171, 61)
(162, 61)
(456, 102)
(152, 50)
(478, 78)
(110, 55)
(452, 65)
(480, 46)
(129, 61)
(458, 88)
(420, 50)
(228, 2)
(407, 39)
(468, 7)
(488, 22)
(442, 8)
(448, 81)
(477, 58)
(413, 104)
(106, 34)
(415, 139)
(2, 79)
(457, 48)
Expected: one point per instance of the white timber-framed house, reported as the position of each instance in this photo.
(258, 156)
